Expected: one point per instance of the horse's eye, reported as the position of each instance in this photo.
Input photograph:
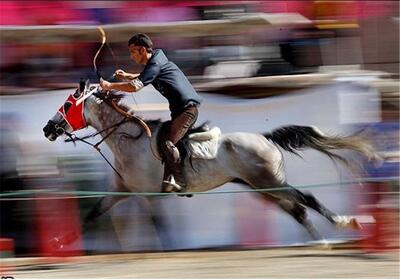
(67, 105)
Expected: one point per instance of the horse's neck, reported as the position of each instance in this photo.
(102, 116)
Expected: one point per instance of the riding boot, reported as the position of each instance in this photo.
(173, 180)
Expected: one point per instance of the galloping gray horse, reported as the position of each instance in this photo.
(251, 159)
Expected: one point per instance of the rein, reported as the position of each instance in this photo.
(133, 118)
(74, 138)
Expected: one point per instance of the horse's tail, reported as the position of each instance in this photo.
(292, 138)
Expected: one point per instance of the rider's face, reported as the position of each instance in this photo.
(138, 54)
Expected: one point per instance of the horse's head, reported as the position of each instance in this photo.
(70, 116)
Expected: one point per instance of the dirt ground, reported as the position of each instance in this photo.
(265, 263)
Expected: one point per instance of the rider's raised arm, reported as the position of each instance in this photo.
(146, 77)
(120, 86)
(122, 75)
(137, 82)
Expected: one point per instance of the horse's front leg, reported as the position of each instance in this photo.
(101, 207)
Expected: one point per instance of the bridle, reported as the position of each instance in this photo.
(127, 117)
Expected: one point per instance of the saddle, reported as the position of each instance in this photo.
(199, 142)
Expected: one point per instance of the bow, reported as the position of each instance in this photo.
(103, 38)
(135, 118)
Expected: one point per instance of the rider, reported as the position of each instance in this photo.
(172, 83)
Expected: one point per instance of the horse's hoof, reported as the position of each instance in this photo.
(321, 244)
(324, 245)
(354, 224)
(185, 195)
(346, 222)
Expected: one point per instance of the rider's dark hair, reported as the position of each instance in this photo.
(141, 40)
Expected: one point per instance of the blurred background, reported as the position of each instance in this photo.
(257, 64)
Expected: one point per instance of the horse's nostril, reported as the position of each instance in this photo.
(59, 131)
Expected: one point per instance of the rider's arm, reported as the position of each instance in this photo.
(132, 86)
(124, 76)
(148, 75)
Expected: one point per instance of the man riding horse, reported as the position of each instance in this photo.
(171, 82)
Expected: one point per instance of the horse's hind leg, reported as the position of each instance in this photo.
(310, 201)
(290, 205)
(289, 202)
(299, 213)
(307, 199)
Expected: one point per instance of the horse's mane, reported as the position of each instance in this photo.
(115, 95)
(118, 96)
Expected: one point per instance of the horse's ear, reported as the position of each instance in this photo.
(82, 85)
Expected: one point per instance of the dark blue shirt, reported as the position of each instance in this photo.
(170, 81)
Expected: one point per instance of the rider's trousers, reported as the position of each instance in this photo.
(178, 128)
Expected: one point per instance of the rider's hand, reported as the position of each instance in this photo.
(120, 74)
(105, 84)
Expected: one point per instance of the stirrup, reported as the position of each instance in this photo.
(170, 186)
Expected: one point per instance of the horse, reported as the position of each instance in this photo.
(254, 160)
